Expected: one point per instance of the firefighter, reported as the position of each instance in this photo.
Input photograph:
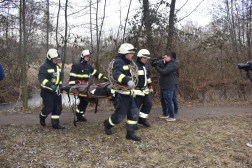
(50, 78)
(121, 73)
(80, 73)
(143, 88)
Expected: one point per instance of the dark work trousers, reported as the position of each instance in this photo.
(146, 103)
(128, 108)
(52, 103)
(83, 105)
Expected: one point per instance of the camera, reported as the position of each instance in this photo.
(157, 61)
(246, 67)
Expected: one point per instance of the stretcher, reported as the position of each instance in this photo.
(82, 95)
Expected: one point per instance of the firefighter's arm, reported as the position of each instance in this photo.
(97, 74)
(118, 74)
(73, 75)
(42, 77)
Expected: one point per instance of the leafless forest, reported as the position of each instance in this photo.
(208, 55)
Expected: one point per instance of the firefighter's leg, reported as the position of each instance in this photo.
(132, 117)
(118, 116)
(138, 101)
(145, 111)
(80, 111)
(57, 108)
(48, 102)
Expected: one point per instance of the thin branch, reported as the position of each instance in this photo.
(181, 7)
(126, 21)
(190, 12)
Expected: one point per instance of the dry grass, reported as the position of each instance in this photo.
(218, 141)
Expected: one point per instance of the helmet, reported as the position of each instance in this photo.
(86, 53)
(126, 48)
(143, 53)
(52, 53)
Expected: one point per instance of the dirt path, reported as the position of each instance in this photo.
(67, 117)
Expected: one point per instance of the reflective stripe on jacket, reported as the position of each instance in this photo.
(144, 79)
(49, 74)
(81, 71)
(121, 72)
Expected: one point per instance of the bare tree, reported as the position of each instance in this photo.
(91, 34)
(147, 21)
(171, 24)
(65, 42)
(22, 53)
(98, 33)
(47, 25)
(126, 21)
(57, 26)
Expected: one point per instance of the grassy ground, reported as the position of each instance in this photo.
(189, 142)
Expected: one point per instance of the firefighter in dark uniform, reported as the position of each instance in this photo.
(50, 78)
(80, 73)
(121, 73)
(143, 88)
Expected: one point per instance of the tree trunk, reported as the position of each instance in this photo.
(47, 25)
(248, 26)
(23, 64)
(57, 25)
(65, 43)
(91, 34)
(98, 35)
(147, 22)
(171, 25)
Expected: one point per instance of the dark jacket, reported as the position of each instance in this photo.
(121, 69)
(167, 75)
(177, 72)
(81, 72)
(143, 74)
(49, 74)
(1, 73)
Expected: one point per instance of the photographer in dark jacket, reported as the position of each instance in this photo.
(249, 74)
(167, 85)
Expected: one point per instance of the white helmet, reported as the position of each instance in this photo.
(52, 53)
(126, 48)
(86, 53)
(143, 53)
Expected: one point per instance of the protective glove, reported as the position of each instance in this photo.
(53, 87)
(131, 84)
(105, 79)
(151, 91)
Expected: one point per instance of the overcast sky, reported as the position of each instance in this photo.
(201, 16)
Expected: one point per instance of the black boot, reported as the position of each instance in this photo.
(55, 124)
(80, 117)
(42, 119)
(131, 136)
(137, 128)
(58, 127)
(107, 127)
(143, 121)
